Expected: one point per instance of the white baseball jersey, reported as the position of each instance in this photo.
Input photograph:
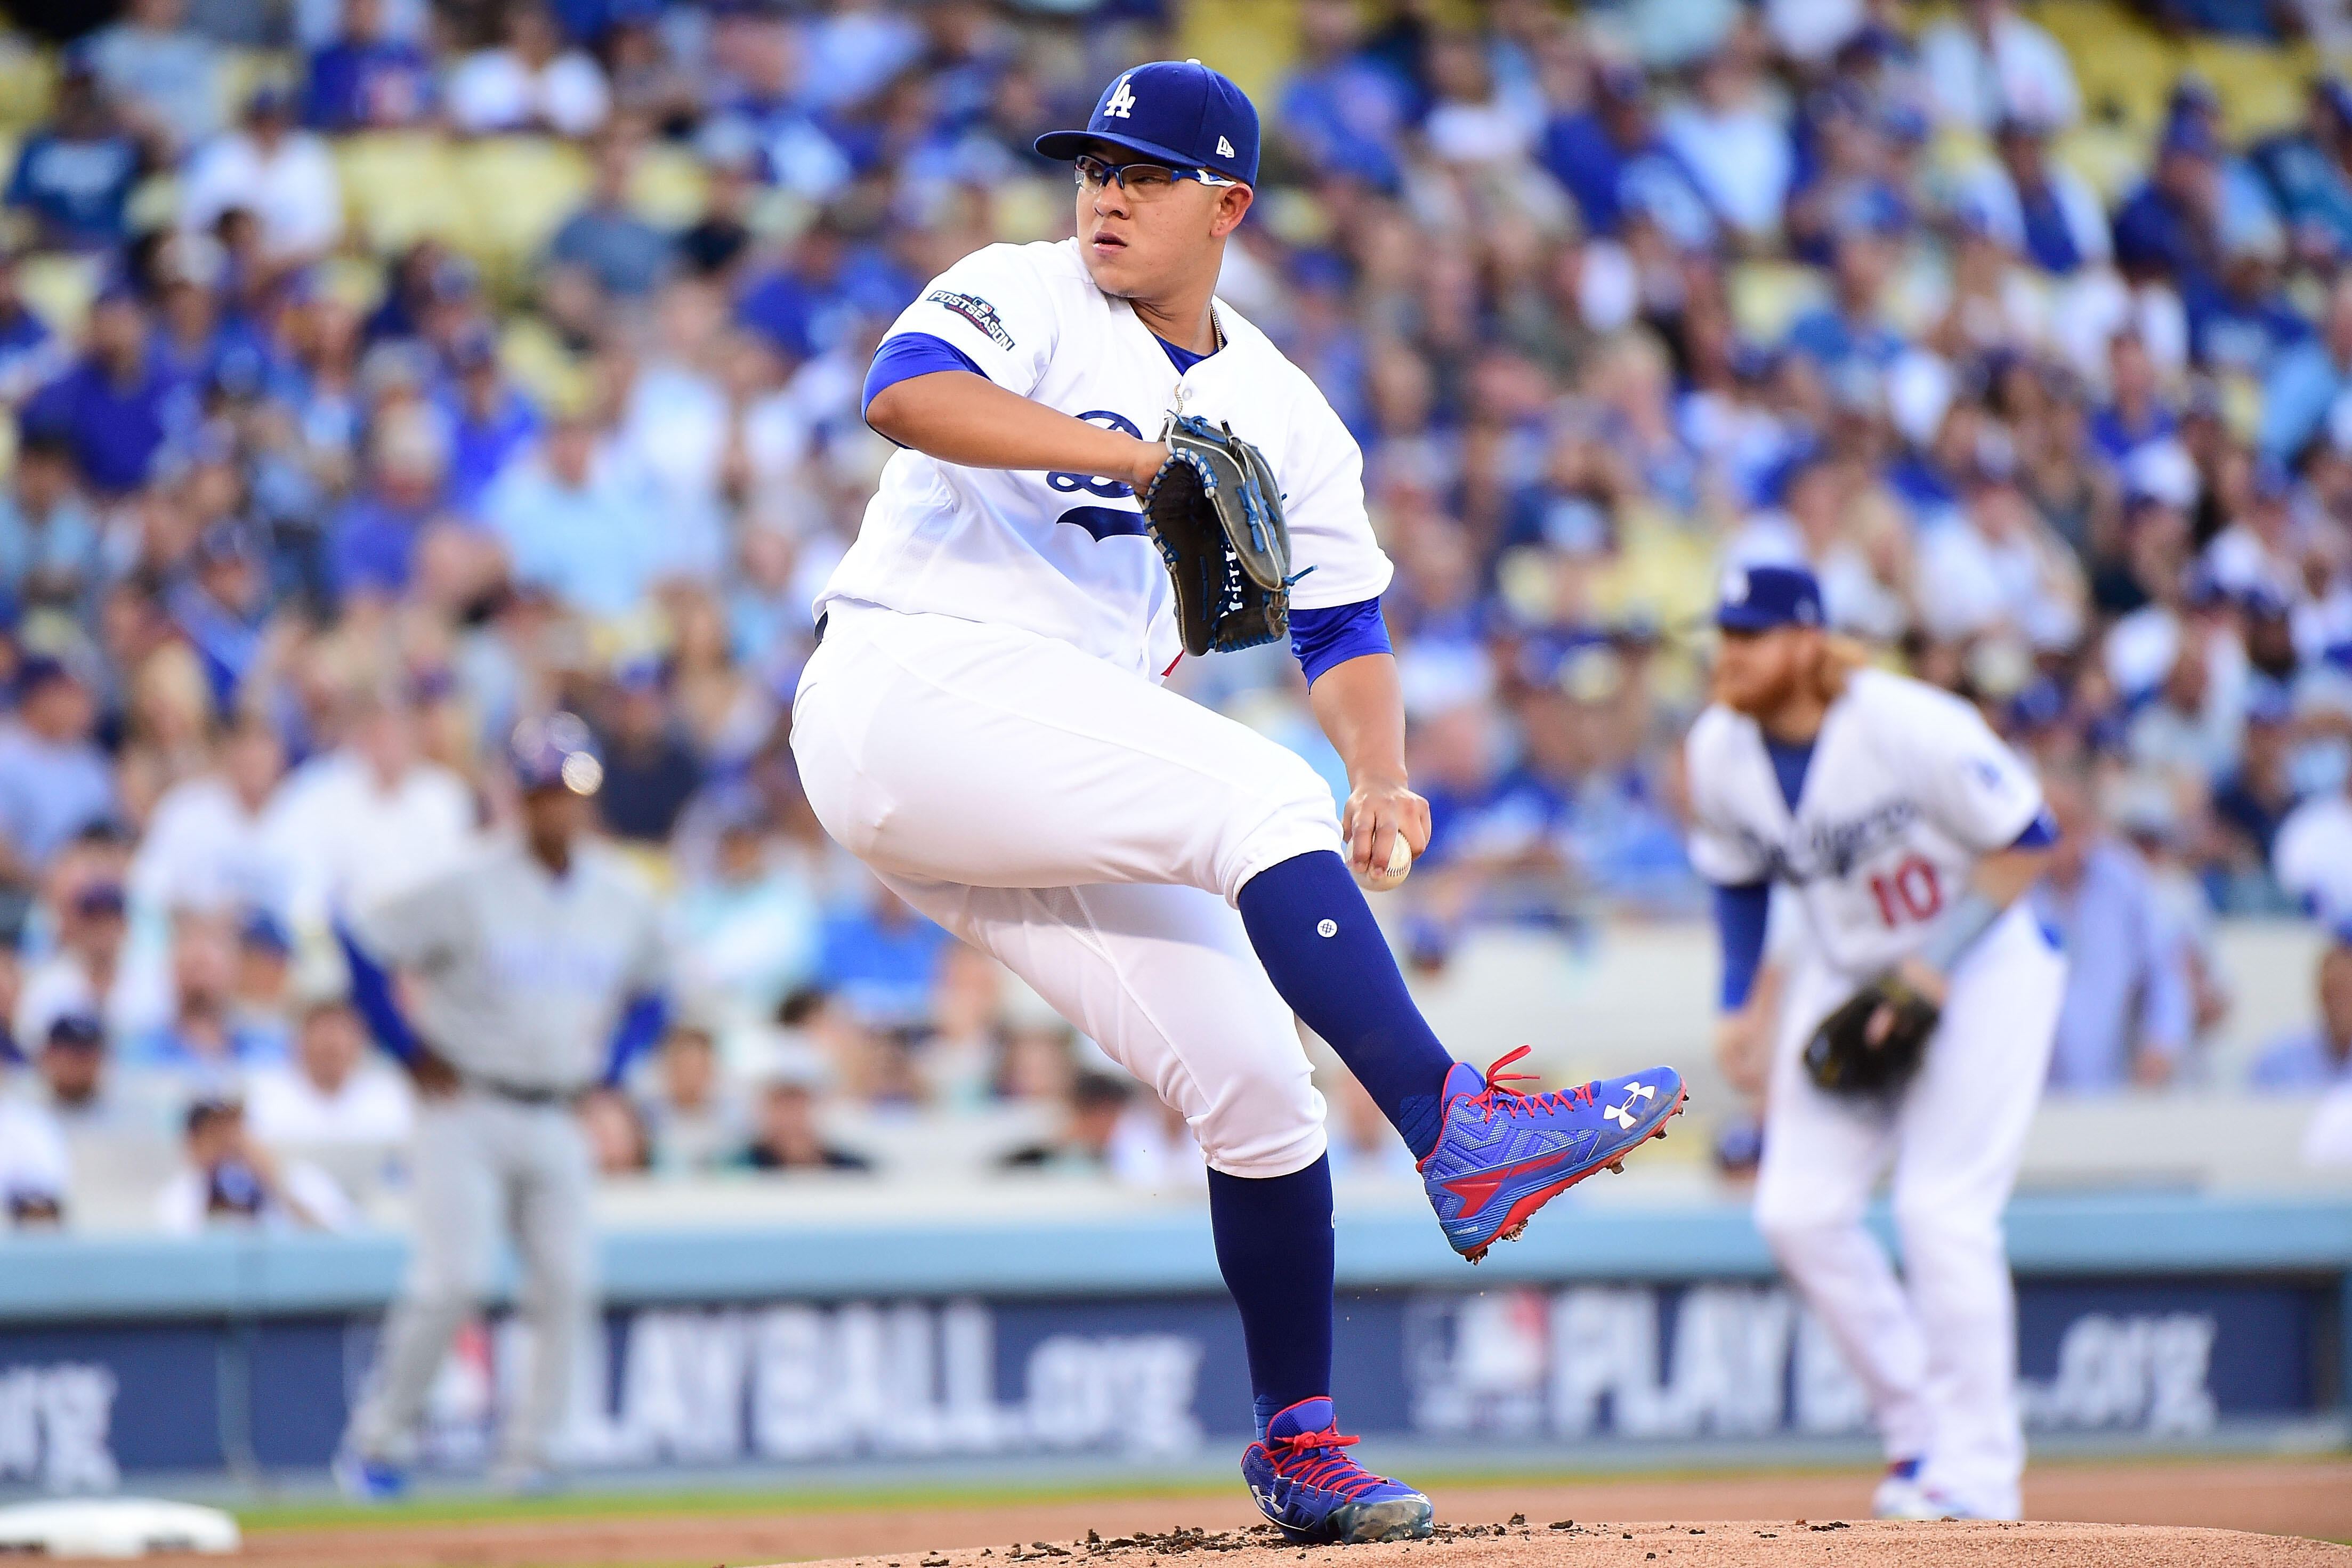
(1907, 788)
(1065, 556)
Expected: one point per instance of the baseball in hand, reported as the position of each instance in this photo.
(1400, 865)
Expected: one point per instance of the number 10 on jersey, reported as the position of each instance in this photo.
(1911, 893)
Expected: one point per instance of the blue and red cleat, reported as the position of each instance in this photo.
(1505, 1153)
(1304, 1481)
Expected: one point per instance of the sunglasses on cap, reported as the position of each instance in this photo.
(1140, 179)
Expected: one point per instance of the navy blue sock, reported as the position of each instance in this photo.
(1316, 936)
(1274, 1247)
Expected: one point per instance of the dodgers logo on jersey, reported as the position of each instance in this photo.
(1095, 484)
(976, 311)
(1121, 105)
(1831, 848)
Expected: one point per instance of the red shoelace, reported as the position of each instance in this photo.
(1499, 1095)
(1319, 1462)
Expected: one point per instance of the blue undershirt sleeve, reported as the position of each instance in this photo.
(1739, 918)
(640, 1026)
(1321, 638)
(2040, 834)
(909, 355)
(372, 998)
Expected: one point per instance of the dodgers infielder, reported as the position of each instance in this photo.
(538, 969)
(981, 722)
(1908, 832)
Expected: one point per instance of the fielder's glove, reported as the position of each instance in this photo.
(1216, 514)
(1873, 1044)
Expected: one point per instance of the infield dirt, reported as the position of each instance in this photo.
(2147, 1513)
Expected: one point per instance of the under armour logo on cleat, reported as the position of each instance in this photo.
(1623, 1115)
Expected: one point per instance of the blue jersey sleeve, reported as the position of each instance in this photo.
(640, 1026)
(1740, 918)
(1322, 638)
(907, 356)
(2040, 834)
(372, 998)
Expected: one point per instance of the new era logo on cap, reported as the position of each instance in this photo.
(1225, 148)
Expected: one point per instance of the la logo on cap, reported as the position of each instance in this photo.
(1122, 102)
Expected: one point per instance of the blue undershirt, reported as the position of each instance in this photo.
(1319, 638)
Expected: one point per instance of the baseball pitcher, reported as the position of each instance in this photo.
(1106, 466)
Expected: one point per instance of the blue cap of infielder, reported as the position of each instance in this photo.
(1177, 112)
(1764, 598)
(555, 752)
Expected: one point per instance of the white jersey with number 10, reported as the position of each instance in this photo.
(1907, 788)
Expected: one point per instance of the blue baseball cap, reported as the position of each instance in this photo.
(1762, 598)
(555, 752)
(1179, 111)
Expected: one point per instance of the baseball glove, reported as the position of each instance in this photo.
(1844, 1058)
(1216, 513)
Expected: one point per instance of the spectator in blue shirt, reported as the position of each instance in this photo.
(2319, 1053)
(2305, 381)
(54, 781)
(2170, 229)
(489, 418)
(49, 546)
(2307, 173)
(372, 545)
(881, 958)
(1851, 332)
(112, 407)
(2128, 1013)
(625, 254)
(2243, 324)
(366, 80)
(220, 606)
(1343, 112)
(1587, 150)
(75, 176)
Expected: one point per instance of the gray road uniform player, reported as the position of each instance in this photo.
(530, 967)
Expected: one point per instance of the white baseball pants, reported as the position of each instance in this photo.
(486, 1166)
(1937, 1351)
(1091, 829)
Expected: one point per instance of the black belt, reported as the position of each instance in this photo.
(521, 1093)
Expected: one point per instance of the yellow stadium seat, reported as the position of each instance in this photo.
(2262, 90)
(516, 190)
(1252, 41)
(28, 79)
(400, 187)
(669, 188)
(244, 71)
(59, 287)
(2119, 61)
(2113, 159)
(1767, 296)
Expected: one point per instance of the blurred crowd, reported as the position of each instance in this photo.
(377, 373)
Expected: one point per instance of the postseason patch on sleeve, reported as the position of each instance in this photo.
(976, 311)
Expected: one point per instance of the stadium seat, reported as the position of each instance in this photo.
(399, 187)
(28, 78)
(2260, 89)
(1252, 41)
(669, 187)
(1767, 296)
(516, 191)
(58, 285)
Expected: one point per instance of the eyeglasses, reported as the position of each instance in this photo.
(1141, 179)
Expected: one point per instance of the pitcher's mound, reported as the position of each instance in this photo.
(1715, 1544)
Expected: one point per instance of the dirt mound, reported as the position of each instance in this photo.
(1720, 1543)
(2296, 1497)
